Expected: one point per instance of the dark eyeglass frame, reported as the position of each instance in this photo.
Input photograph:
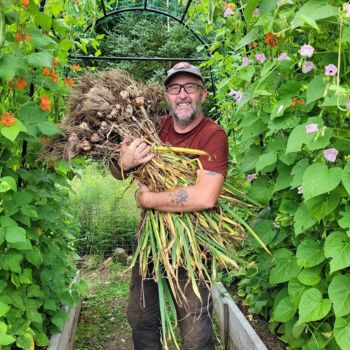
(185, 87)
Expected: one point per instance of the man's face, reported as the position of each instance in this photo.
(185, 107)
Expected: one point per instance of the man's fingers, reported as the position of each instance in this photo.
(126, 138)
(143, 153)
(147, 158)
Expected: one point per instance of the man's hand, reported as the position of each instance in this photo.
(134, 153)
(139, 195)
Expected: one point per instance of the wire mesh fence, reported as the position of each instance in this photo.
(105, 212)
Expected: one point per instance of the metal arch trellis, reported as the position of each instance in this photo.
(145, 7)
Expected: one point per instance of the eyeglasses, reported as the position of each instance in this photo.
(188, 87)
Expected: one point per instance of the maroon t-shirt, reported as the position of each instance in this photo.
(207, 136)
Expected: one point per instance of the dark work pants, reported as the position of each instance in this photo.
(144, 315)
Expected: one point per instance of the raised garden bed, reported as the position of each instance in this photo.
(65, 339)
(236, 333)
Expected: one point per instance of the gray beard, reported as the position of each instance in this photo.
(184, 122)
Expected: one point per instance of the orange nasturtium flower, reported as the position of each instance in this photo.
(54, 77)
(25, 2)
(21, 83)
(7, 119)
(55, 61)
(27, 36)
(68, 82)
(271, 39)
(52, 164)
(18, 37)
(45, 103)
(295, 101)
(46, 71)
(43, 140)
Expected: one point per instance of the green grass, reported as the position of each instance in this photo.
(106, 299)
(105, 210)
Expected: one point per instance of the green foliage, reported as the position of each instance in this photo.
(290, 114)
(105, 211)
(144, 35)
(37, 229)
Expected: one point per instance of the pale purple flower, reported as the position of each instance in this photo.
(228, 11)
(260, 57)
(347, 9)
(245, 61)
(310, 128)
(256, 11)
(300, 190)
(348, 104)
(237, 94)
(330, 154)
(251, 177)
(306, 51)
(307, 67)
(282, 57)
(330, 70)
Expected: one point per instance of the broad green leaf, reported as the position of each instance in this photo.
(314, 141)
(339, 293)
(315, 89)
(261, 190)
(29, 210)
(49, 128)
(7, 183)
(310, 276)
(59, 318)
(15, 234)
(4, 309)
(25, 341)
(246, 73)
(6, 221)
(265, 231)
(43, 20)
(344, 222)
(9, 65)
(318, 179)
(312, 306)
(249, 38)
(342, 332)
(337, 247)
(38, 39)
(284, 311)
(295, 290)
(309, 253)
(34, 257)
(345, 177)
(40, 59)
(266, 160)
(318, 9)
(248, 161)
(253, 130)
(346, 35)
(298, 172)
(289, 89)
(11, 132)
(6, 339)
(302, 220)
(11, 261)
(323, 205)
(284, 177)
(266, 6)
(286, 267)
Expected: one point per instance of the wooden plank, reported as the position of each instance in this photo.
(65, 339)
(241, 334)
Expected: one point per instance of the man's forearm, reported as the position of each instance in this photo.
(184, 199)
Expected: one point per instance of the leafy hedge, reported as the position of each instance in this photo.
(283, 90)
(37, 257)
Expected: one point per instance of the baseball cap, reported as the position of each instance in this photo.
(183, 67)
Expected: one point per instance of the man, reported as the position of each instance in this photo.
(185, 127)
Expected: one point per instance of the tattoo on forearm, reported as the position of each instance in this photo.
(179, 197)
(210, 173)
